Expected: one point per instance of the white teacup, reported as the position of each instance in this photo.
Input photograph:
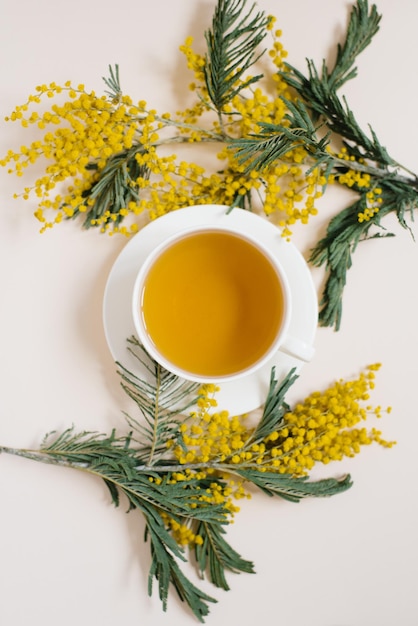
(213, 305)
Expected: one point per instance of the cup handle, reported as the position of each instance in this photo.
(297, 348)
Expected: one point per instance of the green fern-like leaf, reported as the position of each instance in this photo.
(215, 555)
(231, 50)
(295, 488)
(274, 407)
(160, 402)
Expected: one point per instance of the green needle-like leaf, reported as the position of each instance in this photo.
(295, 488)
(274, 407)
(231, 50)
(165, 569)
(362, 27)
(216, 555)
(275, 141)
(114, 188)
(319, 86)
(113, 83)
(345, 231)
(177, 499)
(159, 401)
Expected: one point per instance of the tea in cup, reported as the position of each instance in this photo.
(211, 304)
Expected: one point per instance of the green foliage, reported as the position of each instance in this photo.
(215, 555)
(317, 88)
(231, 50)
(159, 403)
(115, 187)
(294, 489)
(113, 83)
(399, 193)
(135, 470)
(275, 141)
(274, 407)
(165, 569)
(318, 115)
(344, 232)
(115, 461)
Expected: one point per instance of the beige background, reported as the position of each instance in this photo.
(66, 557)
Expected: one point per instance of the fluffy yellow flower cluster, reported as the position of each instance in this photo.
(360, 180)
(90, 130)
(320, 429)
(106, 157)
(285, 190)
(200, 452)
(181, 532)
(324, 427)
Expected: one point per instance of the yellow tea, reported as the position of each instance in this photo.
(212, 303)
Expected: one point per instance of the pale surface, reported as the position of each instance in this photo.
(66, 556)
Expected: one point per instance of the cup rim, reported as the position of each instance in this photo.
(150, 346)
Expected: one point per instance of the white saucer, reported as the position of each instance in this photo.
(250, 392)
